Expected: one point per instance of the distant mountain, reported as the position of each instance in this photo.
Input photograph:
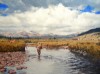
(90, 31)
(90, 37)
(58, 36)
(93, 34)
(24, 34)
(28, 34)
(32, 34)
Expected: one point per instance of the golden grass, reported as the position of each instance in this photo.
(90, 48)
(8, 46)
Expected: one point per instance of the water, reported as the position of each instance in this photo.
(56, 62)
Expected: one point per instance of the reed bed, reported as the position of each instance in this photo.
(90, 49)
(11, 46)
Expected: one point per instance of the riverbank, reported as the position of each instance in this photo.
(11, 59)
(91, 49)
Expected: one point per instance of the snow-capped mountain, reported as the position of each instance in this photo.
(20, 34)
(32, 34)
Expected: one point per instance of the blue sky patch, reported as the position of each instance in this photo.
(3, 6)
(88, 9)
(4, 14)
(98, 12)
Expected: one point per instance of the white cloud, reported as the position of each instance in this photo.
(54, 19)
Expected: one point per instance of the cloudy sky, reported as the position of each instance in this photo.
(49, 16)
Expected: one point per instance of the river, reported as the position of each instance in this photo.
(60, 61)
(57, 62)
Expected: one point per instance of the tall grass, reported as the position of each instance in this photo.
(7, 46)
(92, 49)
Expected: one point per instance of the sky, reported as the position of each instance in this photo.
(60, 17)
